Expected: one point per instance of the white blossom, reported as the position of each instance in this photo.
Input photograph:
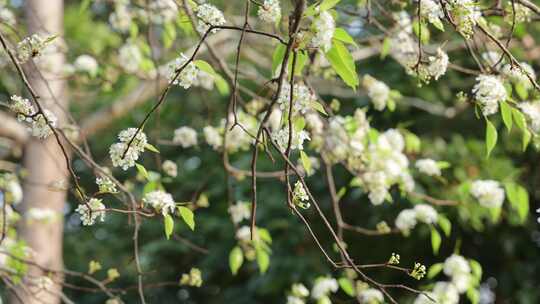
(209, 15)
(187, 76)
(162, 11)
(212, 137)
(377, 91)
(456, 264)
(32, 47)
(130, 57)
(406, 220)
(170, 168)
(126, 159)
(466, 14)
(185, 137)
(426, 213)
(488, 92)
(445, 293)
(370, 296)
(489, 193)
(295, 300)
(106, 185)
(324, 27)
(239, 212)
(531, 110)
(519, 75)
(86, 64)
(91, 211)
(428, 167)
(7, 16)
(323, 286)
(243, 233)
(121, 18)
(432, 11)
(41, 124)
(300, 195)
(161, 201)
(281, 137)
(22, 107)
(303, 98)
(270, 11)
(437, 64)
(299, 290)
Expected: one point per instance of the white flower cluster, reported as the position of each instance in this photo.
(187, 76)
(240, 138)
(162, 11)
(32, 47)
(522, 13)
(519, 75)
(370, 296)
(209, 15)
(106, 185)
(170, 168)
(300, 196)
(438, 64)
(386, 165)
(91, 211)
(403, 47)
(466, 14)
(323, 287)
(130, 57)
(432, 11)
(344, 139)
(488, 92)
(161, 201)
(6, 15)
(303, 98)
(377, 91)
(324, 27)
(298, 294)
(243, 234)
(281, 137)
(86, 64)
(270, 11)
(40, 124)
(489, 193)
(185, 137)
(122, 16)
(531, 110)
(408, 218)
(123, 157)
(239, 212)
(213, 137)
(459, 271)
(428, 167)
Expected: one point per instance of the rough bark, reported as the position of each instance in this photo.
(43, 159)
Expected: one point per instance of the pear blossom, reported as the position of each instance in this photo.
(488, 92)
(161, 201)
(489, 193)
(91, 211)
(209, 15)
(270, 11)
(428, 167)
(239, 212)
(185, 137)
(324, 27)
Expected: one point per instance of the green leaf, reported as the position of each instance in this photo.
(142, 170)
(347, 286)
(188, 216)
(204, 66)
(342, 62)
(385, 48)
(151, 148)
(525, 140)
(421, 31)
(277, 57)
(169, 225)
(299, 124)
(318, 107)
(435, 241)
(476, 270)
(169, 34)
(301, 59)
(491, 137)
(521, 91)
(222, 85)
(506, 113)
(519, 118)
(342, 35)
(236, 258)
(519, 199)
(473, 295)
(263, 260)
(306, 161)
(327, 4)
(434, 270)
(445, 224)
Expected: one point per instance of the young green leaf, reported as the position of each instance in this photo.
(151, 147)
(306, 161)
(317, 106)
(188, 216)
(519, 199)
(168, 222)
(263, 260)
(506, 113)
(142, 170)
(445, 224)
(236, 259)
(491, 137)
(435, 241)
(342, 35)
(342, 62)
(434, 270)
(385, 48)
(347, 286)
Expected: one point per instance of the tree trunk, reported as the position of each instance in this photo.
(43, 159)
